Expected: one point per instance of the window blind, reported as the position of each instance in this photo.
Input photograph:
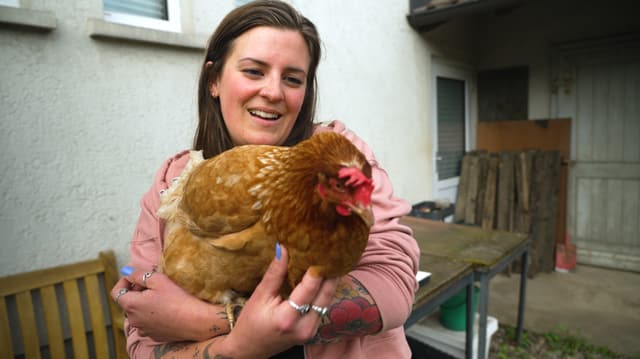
(451, 127)
(156, 9)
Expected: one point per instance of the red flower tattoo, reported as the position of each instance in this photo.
(350, 318)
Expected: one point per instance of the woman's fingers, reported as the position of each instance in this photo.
(122, 287)
(325, 297)
(305, 306)
(275, 274)
(141, 279)
(304, 293)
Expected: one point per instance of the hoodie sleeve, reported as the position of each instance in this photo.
(390, 261)
(147, 242)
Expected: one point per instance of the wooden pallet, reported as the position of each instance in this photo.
(515, 191)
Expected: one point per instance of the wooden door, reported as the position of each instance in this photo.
(597, 84)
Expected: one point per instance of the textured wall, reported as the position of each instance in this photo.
(85, 123)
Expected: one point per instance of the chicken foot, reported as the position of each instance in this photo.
(232, 309)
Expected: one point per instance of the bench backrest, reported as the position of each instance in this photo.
(71, 303)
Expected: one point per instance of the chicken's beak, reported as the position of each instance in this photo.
(365, 212)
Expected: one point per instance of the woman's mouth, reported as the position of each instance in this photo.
(265, 115)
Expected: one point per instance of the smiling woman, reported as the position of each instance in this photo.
(261, 87)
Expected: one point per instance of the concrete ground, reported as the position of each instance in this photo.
(600, 305)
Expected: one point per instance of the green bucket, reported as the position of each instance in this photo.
(453, 312)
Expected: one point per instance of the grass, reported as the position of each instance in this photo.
(561, 344)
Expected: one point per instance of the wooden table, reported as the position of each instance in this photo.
(486, 253)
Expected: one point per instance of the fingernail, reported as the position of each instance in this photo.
(126, 270)
(278, 251)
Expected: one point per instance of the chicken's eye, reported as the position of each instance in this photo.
(337, 186)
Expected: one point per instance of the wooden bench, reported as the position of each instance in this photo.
(71, 304)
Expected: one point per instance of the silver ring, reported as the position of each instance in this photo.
(302, 309)
(146, 276)
(120, 293)
(320, 310)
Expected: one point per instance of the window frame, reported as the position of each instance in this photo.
(173, 24)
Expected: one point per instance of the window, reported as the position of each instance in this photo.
(451, 126)
(154, 14)
(14, 3)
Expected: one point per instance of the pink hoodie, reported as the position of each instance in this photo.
(387, 268)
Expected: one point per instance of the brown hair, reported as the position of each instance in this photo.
(212, 136)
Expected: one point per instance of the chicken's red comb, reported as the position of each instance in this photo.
(363, 185)
(356, 177)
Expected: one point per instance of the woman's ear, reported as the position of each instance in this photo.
(213, 89)
(213, 86)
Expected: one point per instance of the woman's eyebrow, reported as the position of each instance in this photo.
(262, 63)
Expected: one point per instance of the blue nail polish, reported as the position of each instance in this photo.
(126, 270)
(278, 251)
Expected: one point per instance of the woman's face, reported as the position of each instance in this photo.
(262, 85)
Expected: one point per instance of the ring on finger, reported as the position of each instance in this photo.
(120, 293)
(146, 276)
(302, 309)
(320, 310)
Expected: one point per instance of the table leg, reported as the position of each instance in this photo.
(468, 345)
(523, 290)
(484, 306)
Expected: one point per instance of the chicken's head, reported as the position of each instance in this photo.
(350, 192)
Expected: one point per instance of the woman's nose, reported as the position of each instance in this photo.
(272, 90)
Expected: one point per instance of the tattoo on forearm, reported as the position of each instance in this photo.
(169, 348)
(160, 350)
(206, 355)
(353, 313)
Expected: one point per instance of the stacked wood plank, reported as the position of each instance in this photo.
(513, 191)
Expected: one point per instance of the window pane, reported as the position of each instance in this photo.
(451, 127)
(13, 3)
(156, 9)
(242, 2)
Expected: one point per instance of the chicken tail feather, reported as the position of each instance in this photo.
(170, 199)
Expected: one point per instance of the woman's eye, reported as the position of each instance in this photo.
(252, 72)
(293, 80)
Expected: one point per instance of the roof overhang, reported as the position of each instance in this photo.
(425, 15)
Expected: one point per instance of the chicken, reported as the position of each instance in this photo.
(224, 216)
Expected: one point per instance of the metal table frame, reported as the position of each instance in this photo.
(465, 281)
(483, 275)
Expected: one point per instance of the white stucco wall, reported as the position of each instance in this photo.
(375, 77)
(85, 123)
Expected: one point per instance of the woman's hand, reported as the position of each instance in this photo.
(269, 324)
(161, 310)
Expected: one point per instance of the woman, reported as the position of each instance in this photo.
(258, 86)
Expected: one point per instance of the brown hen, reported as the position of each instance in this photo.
(224, 215)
